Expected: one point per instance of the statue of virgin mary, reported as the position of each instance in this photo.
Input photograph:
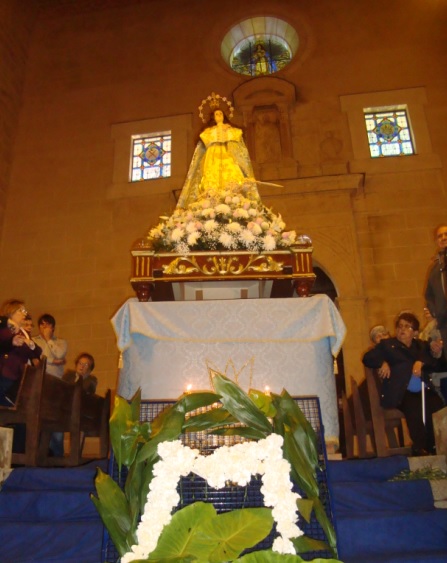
(219, 207)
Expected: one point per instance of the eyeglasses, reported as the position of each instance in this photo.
(404, 326)
(21, 310)
(84, 364)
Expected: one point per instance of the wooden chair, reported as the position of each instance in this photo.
(44, 404)
(363, 424)
(60, 411)
(95, 414)
(348, 426)
(387, 423)
(357, 427)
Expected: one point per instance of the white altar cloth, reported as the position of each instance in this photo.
(290, 342)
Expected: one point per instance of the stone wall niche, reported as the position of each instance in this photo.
(265, 105)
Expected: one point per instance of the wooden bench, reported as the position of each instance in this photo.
(387, 423)
(45, 404)
(357, 425)
(95, 414)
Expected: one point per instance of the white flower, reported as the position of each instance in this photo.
(281, 545)
(269, 242)
(240, 212)
(247, 237)
(234, 227)
(227, 240)
(210, 225)
(177, 234)
(254, 228)
(193, 238)
(222, 208)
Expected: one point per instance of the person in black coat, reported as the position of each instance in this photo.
(409, 360)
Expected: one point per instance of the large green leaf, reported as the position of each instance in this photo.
(133, 491)
(166, 427)
(239, 404)
(305, 507)
(126, 432)
(326, 524)
(208, 420)
(263, 401)
(113, 509)
(197, 400)
(302, 472)
(304, 544)
(304, 433)
(179, 537)
(236, 531)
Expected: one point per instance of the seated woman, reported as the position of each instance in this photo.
(16, 347)
(409, 360)
(84, 365)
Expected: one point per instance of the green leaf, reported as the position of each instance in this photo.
(166, 427)
(239, 404)
(263, 401)
(302, 472)
(133, 491)
(304, 544)
(207, 420)
(179, 538)
(305, 507)
(197, 400)
(113, 509)
(126, 432)
(236, 531)
(302, 430)
(326, 524)
(243, 431)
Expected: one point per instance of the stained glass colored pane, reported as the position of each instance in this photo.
(151, 156)
(260, 56)
(388, 133)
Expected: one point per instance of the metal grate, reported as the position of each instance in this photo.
(193, 488)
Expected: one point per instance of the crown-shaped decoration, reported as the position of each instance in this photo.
(232, 373)
(213, 101)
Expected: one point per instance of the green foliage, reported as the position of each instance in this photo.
(430, 473)
(197, 532)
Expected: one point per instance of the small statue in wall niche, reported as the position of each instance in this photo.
(267, 139)
(331, 146)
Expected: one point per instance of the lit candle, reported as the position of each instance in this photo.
(267, 390)
(189, 388)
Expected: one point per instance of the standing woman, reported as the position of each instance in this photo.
(16, 349)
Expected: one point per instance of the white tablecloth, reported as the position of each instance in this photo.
(283, 343)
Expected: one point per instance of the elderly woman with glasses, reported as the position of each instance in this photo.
(409, 360)
(84, 365)
(16, 349)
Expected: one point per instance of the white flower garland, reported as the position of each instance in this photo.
(229, 463)
(233, 219)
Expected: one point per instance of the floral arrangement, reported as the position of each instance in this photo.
(278, 444)
(230, 219)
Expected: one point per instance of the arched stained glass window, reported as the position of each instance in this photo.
(389, 132)
(151, 156)
(260, 46)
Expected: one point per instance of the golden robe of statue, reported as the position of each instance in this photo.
(220, 160)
